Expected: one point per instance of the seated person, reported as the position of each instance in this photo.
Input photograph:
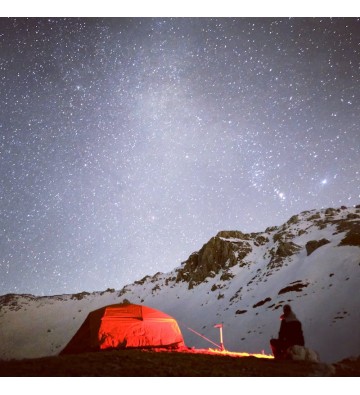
(290, 334)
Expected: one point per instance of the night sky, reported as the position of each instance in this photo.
(126, 144)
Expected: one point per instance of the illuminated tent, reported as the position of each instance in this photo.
(125, 326)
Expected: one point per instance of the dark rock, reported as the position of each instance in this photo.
(352, 228)
(233, 234)
(313, 245)
(284, 250)
(216, 255)
(258, 304)
(80, 295)
(293, 220)
(226, 276)
(293, 288)
(330, 211)
(314, 217)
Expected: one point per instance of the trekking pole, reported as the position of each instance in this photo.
(220, 326)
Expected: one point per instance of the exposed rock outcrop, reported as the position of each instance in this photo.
(352, 227)
(221, 252)
(313, 245)
(284, 250)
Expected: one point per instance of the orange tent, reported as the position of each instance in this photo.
(125, 326)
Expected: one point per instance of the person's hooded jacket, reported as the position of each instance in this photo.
(291, 330)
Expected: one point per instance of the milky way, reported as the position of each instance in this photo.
(125, 144)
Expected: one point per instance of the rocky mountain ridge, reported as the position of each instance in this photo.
(241, 280)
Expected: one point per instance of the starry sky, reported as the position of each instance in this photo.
(127, 143)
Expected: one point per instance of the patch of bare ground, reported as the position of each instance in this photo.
(140, 363)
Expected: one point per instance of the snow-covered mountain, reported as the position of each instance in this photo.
(241, 280)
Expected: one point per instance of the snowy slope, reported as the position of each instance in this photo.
(240, 280)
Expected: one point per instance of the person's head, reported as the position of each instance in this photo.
(287, 310)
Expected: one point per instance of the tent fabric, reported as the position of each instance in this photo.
(125, 326)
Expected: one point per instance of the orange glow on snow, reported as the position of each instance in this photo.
(241, 354)
(217, 352)
(232, 353)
